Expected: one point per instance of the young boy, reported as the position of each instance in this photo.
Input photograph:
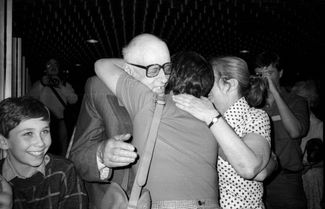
(38, 180)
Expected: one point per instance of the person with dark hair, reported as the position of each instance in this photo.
(48, 89)
(290, 122)
(242, 131)
(38, 179)
(183, 169)
(189, 75)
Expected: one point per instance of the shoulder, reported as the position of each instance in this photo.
(258, 122)
(95, 86)
(258, 117)
(257, 113)
(93, 81)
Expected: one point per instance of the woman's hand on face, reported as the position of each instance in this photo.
(201, 108)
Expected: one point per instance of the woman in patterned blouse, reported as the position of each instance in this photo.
(242, 131)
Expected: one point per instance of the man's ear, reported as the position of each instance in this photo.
(129, 70)
(3, 142)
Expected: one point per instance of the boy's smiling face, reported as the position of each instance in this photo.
(28, 143)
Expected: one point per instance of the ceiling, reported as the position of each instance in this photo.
(60, 28)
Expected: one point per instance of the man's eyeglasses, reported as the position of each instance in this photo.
(153, 70)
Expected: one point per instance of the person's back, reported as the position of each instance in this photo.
(184, 162)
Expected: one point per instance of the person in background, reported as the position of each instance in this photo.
(5, 194)
(314, 171)
(242, 131)
(100, 151)
(183, 171)
(42, 90)
(38, 179)
(290, 122)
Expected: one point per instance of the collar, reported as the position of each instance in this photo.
(9, 172)
(236, 111)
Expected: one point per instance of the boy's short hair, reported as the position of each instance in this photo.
(13, 110)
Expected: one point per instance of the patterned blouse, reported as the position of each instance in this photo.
(235, 191)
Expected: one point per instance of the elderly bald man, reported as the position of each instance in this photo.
(100, 151)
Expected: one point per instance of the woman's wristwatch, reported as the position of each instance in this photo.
(214, 120)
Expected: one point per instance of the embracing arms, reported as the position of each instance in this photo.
(248, 155)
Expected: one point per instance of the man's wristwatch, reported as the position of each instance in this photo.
(214, 120)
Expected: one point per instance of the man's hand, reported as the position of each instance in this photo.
(117, 153)
(5, 194)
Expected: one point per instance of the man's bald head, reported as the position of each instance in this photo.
(146, 49)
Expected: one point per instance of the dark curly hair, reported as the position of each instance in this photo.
(191, 74)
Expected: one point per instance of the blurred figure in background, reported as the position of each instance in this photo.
(56, 94)
(312, 145)
(290, 122)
